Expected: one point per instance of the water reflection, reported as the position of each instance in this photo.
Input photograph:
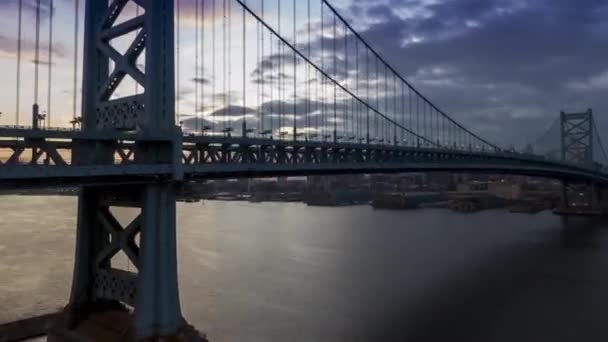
(277, 272)
(581, 232)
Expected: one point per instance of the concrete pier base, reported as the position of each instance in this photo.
(28, 328)
(109, 321)
(570, 211)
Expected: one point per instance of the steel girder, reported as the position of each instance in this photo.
(206, 157)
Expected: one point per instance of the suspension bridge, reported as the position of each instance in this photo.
(174, 91)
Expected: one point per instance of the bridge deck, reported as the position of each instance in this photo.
(44, 157)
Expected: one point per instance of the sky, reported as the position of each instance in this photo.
(503, 68)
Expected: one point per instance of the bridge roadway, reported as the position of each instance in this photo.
(31, 158)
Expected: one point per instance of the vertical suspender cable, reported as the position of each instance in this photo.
(50, 66)
(437, 128)
(431, 136)
(317, 100)
(75, 72)
(201, 53)
(385, 124)
(224, 42)
(425, 118)
(439, 131)
(443, 130)
(19, 38)
(37, 54)
(280, 73)
(319, 104)
(137, 15)
(437, 134)
(295, 56)
(260, 127)
(367, 91)
(463, 139)
(196, 65)
(449, 134)
(308, 94)
(228, 102)
(411, 118)
(177, 59)
(418, 120)
(450, 131)
(347, 73)
(263, 72)
(357, 89)
(377, 100)
(272, 106)
(321, 78)
(430, 122)
(395, 109)
(213, 62)
(402, 111)
(203, 78)
(346, 104)
(440, 125)
(244, 79)
(335, 86)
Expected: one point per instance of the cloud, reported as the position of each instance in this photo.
(598, 82)
(200, 80)
(505, 68)
(232, 111)
(29, 7)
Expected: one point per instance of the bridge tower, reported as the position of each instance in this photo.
(577, 137)
(141, 304)
(577, 147)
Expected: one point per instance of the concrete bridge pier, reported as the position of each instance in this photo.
(108, 303)
(586, 199)
(113, 304)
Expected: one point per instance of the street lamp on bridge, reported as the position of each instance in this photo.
(77, 121)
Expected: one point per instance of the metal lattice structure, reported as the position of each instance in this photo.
(152, 290)
(577, 137)
(577, 146)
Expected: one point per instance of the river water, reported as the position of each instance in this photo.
(289, 272)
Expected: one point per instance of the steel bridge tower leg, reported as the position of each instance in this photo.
(577, 147)
(143, 304)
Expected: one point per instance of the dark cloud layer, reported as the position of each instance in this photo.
(503, 67)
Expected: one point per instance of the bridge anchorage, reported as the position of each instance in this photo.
(97, 309)
(577, 132)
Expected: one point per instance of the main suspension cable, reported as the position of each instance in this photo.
(325, 74)
(599, 138)
(377, 55)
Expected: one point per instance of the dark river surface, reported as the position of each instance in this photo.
(288, 272)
